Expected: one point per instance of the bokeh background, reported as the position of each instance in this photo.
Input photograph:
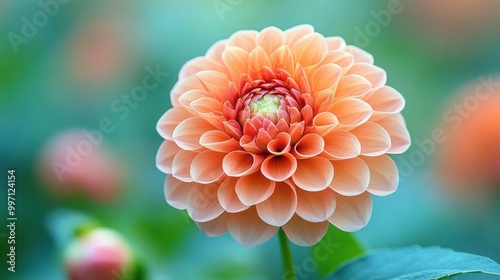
(76, 66)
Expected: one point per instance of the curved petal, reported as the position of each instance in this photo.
(165, 156)
(313, 174)
(384, 177)
(215, 227)
(310, 145)
(293, 34)
(167, 123)
(400, 137)
(335, 43)
(352, 177)
(188, 133)
(279, 168)
(355, 86)
(270, 39)
(219, 141)
(283, 58)
(310, 49)
(374, 139)
(315, 206)
(325, 122)
(258, 59)
(351, 111)
(236, 60)
(254, 188)
(198, 64)
(228, 198)
(206, 167)
(340, 58)
(181, 165)
(182, 86)
(203, 204)
(325, 77)
(359, 54)
(279, 207)
(385, 101)
(341, 145)
(248, 229)
(353, 212)
(279, 145)
(214, 82)
(304, 233)
(215, 51)
(244, 39)
(372, 73)
(241, 163)
(176, 192)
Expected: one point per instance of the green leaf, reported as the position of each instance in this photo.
(334, 249)
(415, 263)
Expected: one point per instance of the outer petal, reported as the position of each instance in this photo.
(279, 207)
(188, 133)
(200, 64)
(279, 168)
(182, 164)
(335, 43)
(304, 233)
(374, 139)
(176, 192)
(325, 77)
(351, 112)
(385, 101)
(243, 39)
(341, 145)
(254, 188)
(352, 86)
(248, 229)
(372, 73)
(359, 54)
(270, 39)
(383, 175)
(202, 203)
(167, 123)
(236, 60)
(310, 49)
(324, 123)
(352, 177)
(219, 141)
(165, 156)
(183, 86)
(313, 174)
(215, 227)
(315, 206)
(228, 198)
(353, 212)
(206, 167)
(400, 138)
(295, 33)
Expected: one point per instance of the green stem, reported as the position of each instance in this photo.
(286, 256)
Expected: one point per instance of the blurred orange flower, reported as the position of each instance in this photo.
(469, 159)
(261, 123)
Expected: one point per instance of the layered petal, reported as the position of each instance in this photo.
(383, 175)
(304, 233)
(352, 177)
(176, 192)
(279, 168)
(202, 203)
(313, 174)
(315, 206)
(280, 206)
(206, 167)
(374, 139)
(215, 227)
(228, 198)
(254, 188)
(400, 137)
(353, 212)
(248, 229)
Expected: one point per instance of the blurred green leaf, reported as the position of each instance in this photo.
(340, 246)
(415, 263)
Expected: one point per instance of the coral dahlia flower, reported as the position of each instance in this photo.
(282, 129)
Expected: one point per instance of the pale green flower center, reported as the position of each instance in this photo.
(268, 104)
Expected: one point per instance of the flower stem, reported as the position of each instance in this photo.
(286, 255)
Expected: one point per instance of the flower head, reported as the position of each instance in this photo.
(262, 122)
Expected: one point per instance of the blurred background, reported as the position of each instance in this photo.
(73, 70)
